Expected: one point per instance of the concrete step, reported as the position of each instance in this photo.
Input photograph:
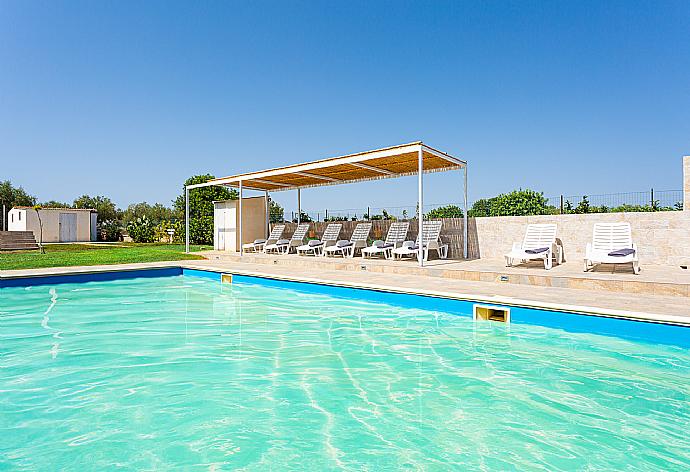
(17, 241)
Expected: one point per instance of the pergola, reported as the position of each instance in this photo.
(396, 161)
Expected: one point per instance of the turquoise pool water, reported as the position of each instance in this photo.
(183, 372)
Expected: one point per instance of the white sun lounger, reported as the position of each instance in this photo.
(358, 240)
(612, 244)
(283, 246)
(258, 244)
(539, 243)
(316, 247)
(430, 240)
(394, 238)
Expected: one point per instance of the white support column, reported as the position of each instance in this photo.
(420, 211)
(186, 220)
(268, 213)
(239, 224)
(464, 225)
(299, 207)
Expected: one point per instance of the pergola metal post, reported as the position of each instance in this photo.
(420, 211)
(299, 207)
(186, 219)
(268, 220)
(239, 224)
(464, 224)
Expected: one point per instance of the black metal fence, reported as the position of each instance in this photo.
(651, 200)
(654, 199)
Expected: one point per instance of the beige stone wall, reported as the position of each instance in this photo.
(662, 237)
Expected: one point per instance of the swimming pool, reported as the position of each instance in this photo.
(185, 372)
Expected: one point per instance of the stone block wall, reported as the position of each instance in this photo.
(662, 237)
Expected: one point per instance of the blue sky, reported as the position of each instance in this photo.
(126, 99)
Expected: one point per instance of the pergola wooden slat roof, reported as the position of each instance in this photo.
(390, 162)
(396, 161)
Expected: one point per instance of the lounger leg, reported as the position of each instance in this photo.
(636, 267)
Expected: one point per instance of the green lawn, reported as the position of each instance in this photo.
(61, 255)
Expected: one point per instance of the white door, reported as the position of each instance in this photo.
(68, 227)
(224, 226)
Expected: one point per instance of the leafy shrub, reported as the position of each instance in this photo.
(383, 216)
(448, 211)
(275, 212)
(304, 218)
(111, 230)
(481, 207)
(201, 208)
(141, 230)
(519, 203)
(107, 211)
(161, 231)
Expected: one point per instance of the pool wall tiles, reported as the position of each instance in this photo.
(657, 333)
(91, 277)
(630, 329)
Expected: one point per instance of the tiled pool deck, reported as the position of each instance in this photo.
(438, 280)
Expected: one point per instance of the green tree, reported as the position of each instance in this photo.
(304, 218)
(55, 204)
(157, 212)
(481, 207)
(448, 211)
(201, 207)
(12, 196)
(583, 206)
(519, 203)
(276, 213)
(107, 211)
(37, 209)
(141, 230)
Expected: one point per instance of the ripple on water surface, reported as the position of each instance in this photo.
(188, 373)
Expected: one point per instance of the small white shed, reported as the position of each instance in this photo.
(60, 225)
(226, 222)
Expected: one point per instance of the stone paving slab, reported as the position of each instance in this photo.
(654, 280)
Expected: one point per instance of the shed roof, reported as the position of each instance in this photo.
(394, 161)
(54, 209)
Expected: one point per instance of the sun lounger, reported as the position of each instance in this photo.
(284, 246)
(345, 247)
(430, 240)
(317, 247)
(539, 243)
(394, 239)
(259, 244)
(612, 244)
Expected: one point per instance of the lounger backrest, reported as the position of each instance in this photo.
(611, 236)
(332, 232)
(539, 236)
(276, 232)
(361, 232)
(300, 232)
(431, 231)
(397, 232)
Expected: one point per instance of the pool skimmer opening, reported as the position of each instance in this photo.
(491, 313)
(226, 278)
